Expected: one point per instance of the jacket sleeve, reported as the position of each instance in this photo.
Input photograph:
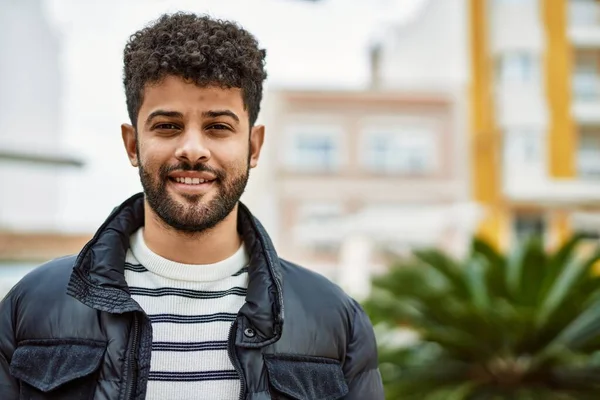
(361, 365)
(9, 387)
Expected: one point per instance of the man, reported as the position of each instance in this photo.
(180, 294)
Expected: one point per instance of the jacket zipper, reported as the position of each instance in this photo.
(234, 359)
(132, 360)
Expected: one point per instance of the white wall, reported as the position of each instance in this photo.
(516, 25)
(429, 51)
(30, 115)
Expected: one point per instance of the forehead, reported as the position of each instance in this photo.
(175, 94)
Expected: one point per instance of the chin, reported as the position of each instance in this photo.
(187, 198)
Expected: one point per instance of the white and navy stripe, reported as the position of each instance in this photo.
(192, 294)
(193, 376)
(191, 320)
(135, 267)
(190, 346)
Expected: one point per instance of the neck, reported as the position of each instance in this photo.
(206, 247)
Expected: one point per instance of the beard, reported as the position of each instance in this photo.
(195, 216)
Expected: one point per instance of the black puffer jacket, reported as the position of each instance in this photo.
(70, 330)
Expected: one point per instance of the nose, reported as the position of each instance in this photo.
(192, 147)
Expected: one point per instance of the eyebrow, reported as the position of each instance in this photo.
(221, 113)
(205, 114)
(163, 113)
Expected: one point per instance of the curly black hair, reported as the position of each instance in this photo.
(199, 49)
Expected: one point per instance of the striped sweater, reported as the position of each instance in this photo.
(191, 308)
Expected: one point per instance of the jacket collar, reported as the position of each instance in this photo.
(98, 278)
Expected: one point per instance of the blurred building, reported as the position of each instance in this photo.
(31, 156)
(535, 117)
(478, 115)
(356, 176)
(377, 165)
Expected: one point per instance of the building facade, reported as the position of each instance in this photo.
(352, 179)
(534, 117)
(357, 176)
(32, 158)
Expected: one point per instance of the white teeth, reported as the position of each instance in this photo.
(190, 181)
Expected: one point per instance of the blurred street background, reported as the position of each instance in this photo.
(364, 107)
(393, 126)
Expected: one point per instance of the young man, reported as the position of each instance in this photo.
(180, 294)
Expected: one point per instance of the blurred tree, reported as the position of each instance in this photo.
(520, 326)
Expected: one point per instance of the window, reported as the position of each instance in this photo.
(588, 155)
(586, 78)
(312, 148)
(583, 12)
(527, 225)
(585, 85)
(517, 67)
(399, 151)
(523, 152)
(587, 224)
(316, 151)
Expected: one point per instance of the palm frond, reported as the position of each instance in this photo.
(491, 326)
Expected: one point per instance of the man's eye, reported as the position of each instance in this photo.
(219, 127)
(166, 126)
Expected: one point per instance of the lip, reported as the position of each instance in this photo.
(192, 174)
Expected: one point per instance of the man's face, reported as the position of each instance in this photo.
(193, 149)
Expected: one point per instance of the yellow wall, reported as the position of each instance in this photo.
(562, 138)
(485, 140)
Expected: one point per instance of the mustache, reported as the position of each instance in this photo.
(197, 167)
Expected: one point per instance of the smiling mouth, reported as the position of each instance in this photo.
(190, 181)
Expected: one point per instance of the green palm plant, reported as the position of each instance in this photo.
(523, 326)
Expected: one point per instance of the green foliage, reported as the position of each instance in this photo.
(522, 326)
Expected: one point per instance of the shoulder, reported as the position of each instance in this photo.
(302, 281)
(42, 288)
(38, 307)
(316, 294)
(48, 277)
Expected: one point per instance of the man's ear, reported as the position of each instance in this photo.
(257, 138)
(130, 143)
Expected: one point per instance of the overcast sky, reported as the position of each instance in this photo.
(308, 42)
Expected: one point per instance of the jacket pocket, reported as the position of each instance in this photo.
(305, 378)
(57, 368)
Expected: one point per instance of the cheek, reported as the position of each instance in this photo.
(153, 156)
(230, 154)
